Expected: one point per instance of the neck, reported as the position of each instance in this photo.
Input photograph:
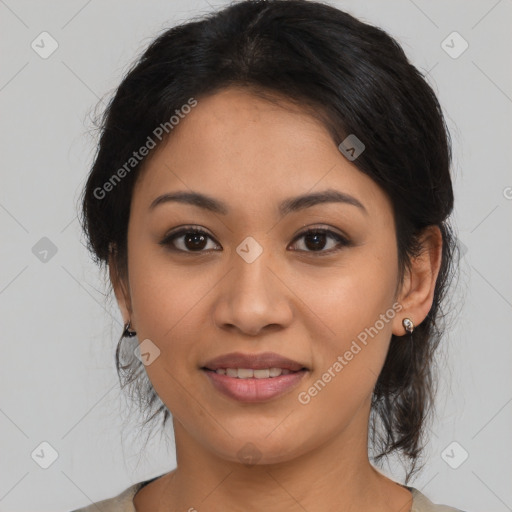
(336, 476)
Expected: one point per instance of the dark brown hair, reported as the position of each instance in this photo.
(357, 79)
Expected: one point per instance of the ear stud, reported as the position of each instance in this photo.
(408, 325)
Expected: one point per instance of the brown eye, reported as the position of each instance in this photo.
(188, 240)
(316, 240)
(193, 240)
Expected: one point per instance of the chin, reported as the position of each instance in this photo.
(258, 451)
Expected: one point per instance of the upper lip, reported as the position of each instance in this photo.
(254, 361)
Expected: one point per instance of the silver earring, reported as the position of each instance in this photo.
(408, 325)
(128, 333)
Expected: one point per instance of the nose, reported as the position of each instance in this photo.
(252, 298)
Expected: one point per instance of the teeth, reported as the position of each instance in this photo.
(261, 374)
(249, 373)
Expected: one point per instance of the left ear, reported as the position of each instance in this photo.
(417, 292)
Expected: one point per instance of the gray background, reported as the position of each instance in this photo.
(57, 382)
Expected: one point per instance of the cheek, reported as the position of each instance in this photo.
(350, 298)
(356, 303)
(170, 309)
(165, 296)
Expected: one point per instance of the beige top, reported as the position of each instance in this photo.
(124, 502)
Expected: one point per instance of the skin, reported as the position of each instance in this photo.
(252, 155)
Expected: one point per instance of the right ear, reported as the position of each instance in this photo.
(120, 285)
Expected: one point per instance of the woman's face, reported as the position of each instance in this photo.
(252, 283)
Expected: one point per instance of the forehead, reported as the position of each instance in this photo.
(245, 149)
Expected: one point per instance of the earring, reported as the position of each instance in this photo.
(128, 333)
(408, 325)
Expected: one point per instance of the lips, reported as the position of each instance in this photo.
(260, 361)
(254, 377)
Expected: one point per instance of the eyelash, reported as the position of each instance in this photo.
(342, 241)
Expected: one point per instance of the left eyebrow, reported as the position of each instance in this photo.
(289, 205)
(294, 204)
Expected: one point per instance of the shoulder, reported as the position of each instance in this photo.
(123, 502)
(423, 504)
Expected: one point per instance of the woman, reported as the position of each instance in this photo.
(271, 196)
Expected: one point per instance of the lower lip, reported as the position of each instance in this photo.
(254, 390)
